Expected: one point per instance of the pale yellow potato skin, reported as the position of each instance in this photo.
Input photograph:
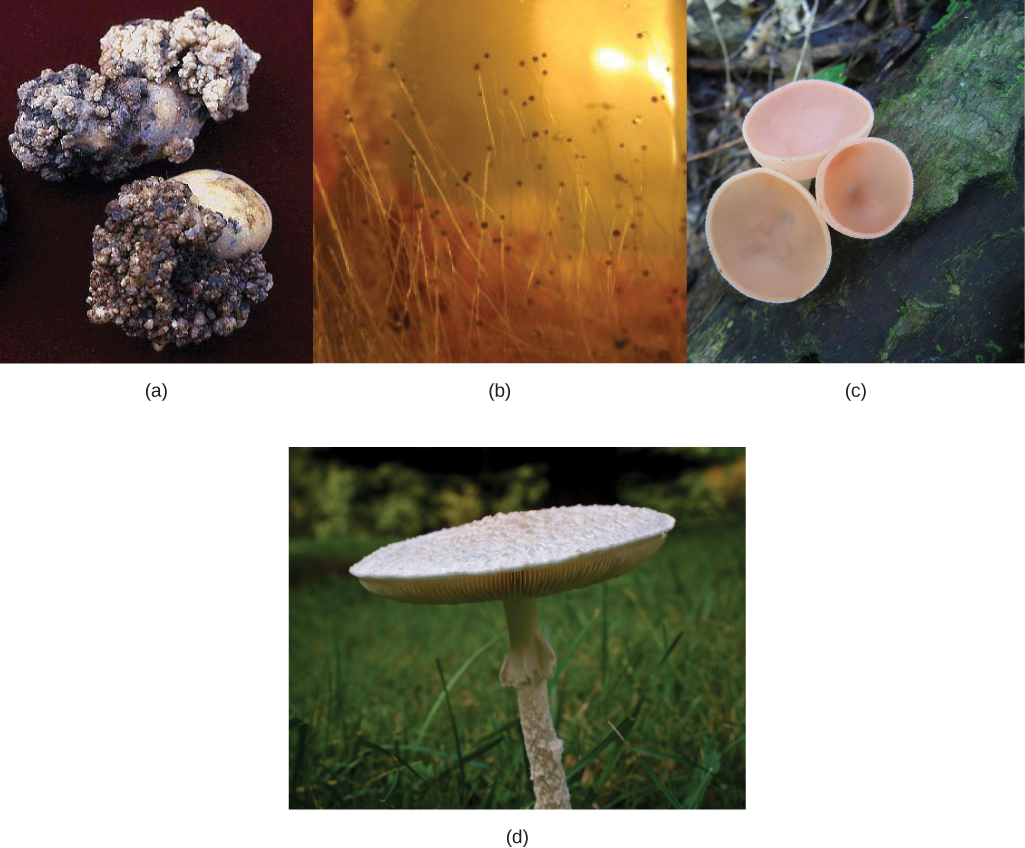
(248, 215)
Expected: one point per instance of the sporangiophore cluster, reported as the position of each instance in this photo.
(766, 232)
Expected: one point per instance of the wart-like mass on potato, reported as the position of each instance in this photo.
(161, 271)
(159, 82)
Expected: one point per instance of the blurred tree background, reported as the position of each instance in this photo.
(375, 493)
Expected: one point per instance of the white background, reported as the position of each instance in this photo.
(144, 590)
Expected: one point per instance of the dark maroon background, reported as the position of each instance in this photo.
(46, 247)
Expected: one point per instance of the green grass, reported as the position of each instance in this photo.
(311, 558)
(648, 696)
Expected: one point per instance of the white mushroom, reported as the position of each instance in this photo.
(517, 558)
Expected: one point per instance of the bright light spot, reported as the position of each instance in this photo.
(657, 66)
(658, 70)
(610, 59)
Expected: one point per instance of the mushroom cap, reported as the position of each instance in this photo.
(767, 236)
(792, 129)
(531, 554)
(247, 213)
(864, 187)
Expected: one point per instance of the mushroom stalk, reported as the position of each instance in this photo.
(528, 665)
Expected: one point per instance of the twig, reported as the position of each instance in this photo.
(726, 58)
(705, 153)
(825, 53)
(810, 17)
(898, 11)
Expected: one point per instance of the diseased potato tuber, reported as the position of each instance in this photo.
(159, 83)
(161, 270)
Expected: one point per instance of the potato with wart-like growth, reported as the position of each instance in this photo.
(178, 261)
(160, 81)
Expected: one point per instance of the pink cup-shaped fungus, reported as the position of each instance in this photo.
(767, 237)
(792, 129)
(864, 187)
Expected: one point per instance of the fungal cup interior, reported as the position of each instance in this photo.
(865, 188)
(767, 237)
(792, 128)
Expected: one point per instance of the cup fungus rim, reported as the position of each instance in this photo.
(803, 167)
(820, 192)
(808, 198)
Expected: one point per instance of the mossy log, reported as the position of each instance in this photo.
(947, 284)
